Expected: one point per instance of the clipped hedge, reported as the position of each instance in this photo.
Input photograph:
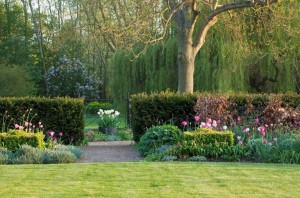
(205, 136)
(93, 107)
(154, 109)
(56, 114)
(13, 141)
(168, 107)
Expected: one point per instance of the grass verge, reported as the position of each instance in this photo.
(142, 179)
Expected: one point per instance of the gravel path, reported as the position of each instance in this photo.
(115, 151)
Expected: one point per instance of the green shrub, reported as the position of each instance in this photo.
(205, 136)
(56, 114)
(27, 155)
(155, 109)
(93, 107)
(58, 156)
(197, 159)
(75, 151)
(157, 136)
(12, 142)
(3, 155)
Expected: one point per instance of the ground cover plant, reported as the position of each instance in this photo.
(142, 179)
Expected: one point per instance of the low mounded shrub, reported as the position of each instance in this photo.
(159, 136)
(26, 154)
(203, 136)
(58, 156)
(15, 139)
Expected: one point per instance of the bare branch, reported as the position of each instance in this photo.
(211, 19)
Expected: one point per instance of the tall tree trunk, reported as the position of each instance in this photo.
(186, 60)
(39, 40)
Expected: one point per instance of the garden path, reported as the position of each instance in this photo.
(115, 151)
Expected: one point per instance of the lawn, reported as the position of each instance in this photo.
(141, 179)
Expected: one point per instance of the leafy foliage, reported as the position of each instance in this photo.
(159, 136)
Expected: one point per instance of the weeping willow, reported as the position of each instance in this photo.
(246, 51)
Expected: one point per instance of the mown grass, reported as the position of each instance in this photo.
(141, 179)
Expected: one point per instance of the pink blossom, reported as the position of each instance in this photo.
(21, 127)
(53, 138)
(265, 141)
(26, 123)
(239, 137)
(197, 118)
(238, 119)
(263, 133)
(208, 125)
(16, 126)
(218, 121)
(209, 120)
(240, 142)
(184, 123)
(275, 139)
(256, 120)
(41, 126)
(214, 124)
(51, 133)
(203, 124)
(244, 131)
(261, 129)
(30, 124)
(60, 134)
(40, 122)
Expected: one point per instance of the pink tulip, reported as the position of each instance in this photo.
(197, 118)
(256, 120)
(238, 119)
(26, 123)
(209, 120)
(265, 141)
(16, 126)
(184, 123)
(60, 134)
(263, 133)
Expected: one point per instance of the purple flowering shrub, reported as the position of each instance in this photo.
(71, 78)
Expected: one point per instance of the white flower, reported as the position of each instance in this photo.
(117, 113)
(224, 127)
(247, 129)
